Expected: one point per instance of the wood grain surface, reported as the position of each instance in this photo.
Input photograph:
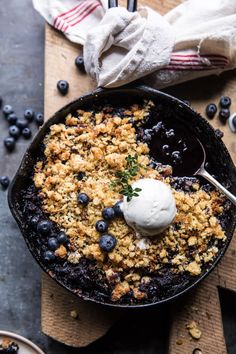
(202, 304)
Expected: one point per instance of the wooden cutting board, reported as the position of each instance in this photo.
(201, 305)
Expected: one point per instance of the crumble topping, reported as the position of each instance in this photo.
(96, 144)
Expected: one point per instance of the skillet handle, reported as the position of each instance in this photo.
(132, 5)
(112, 3)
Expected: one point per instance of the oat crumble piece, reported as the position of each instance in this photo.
(194, 330)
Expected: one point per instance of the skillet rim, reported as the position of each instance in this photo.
(104, 93)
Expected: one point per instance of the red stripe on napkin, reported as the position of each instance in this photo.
(75, 15)
(67, 12)
(90, 10)
(64, 20)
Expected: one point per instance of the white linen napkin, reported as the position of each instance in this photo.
(197, 38)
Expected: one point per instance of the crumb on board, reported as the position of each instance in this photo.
(194, 330)
(74, 314)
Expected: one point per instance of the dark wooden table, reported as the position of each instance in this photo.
(21, 84)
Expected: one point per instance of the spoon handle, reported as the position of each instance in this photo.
(202, 172)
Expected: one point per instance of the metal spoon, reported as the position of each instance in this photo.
(202, 172)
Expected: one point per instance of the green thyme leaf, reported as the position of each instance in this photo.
(123, 178)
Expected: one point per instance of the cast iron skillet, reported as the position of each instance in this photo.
(215, 148)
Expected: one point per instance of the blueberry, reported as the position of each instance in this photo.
(101, 226)
(26, 133)
(108, 213)
(14, 131)
(62, 238)
(12, 349)
(39, 119)
(117, 209)
(176, 157)
(170, 134)
(107, 243)
(12, 118)
(83, 198)
(53, 243)
(211, 110)
(29, 114)
(4, 181)
(7, 109)
(80, 176)
(21, 123)
(166, 150)
(153, 164)
(63, 87)
(34, 222)
(79, 62)
(225, 102)
(9, 143)
(48, 256)
(219, 134)
(44, 227)
(224, 115)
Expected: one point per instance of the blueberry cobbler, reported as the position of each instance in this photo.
(113, 216)
(7, 346)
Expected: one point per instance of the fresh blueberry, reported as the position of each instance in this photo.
(26, 133)
(14, 131)
(83, 198)
(118, 209)
(170, 134)
(63, 87)
(4, 181)
(153, 164)
(44, 227)
(166, 150)
(211, 110)
(224, 115)
(12, 118)
(219, 134)
(80, 176)
(62, 238)
(176, 157)
(21, 124)
(9, 143)
(107, 243)
(29, 114)
(108, 213)
(225, 102)
(79, 62)
(101, 226)
(39, 119)
(34, 222)
(48, 256)
(7, 109)
(53, 243)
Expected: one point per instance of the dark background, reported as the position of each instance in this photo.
(21, 85)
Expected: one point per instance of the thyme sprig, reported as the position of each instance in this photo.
(123, 178)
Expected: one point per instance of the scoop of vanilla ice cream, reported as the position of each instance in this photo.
(153, 210)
